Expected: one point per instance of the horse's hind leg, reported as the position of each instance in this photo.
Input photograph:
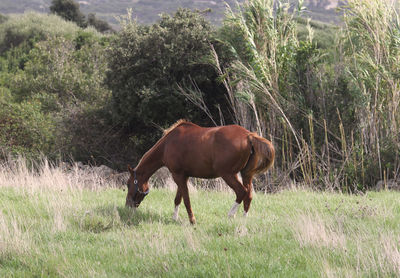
(178, 200)
(234, 183)
(181, 181)
(247, 177)
(247, 183)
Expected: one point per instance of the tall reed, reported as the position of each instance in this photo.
(262, 37)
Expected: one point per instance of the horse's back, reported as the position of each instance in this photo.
(207, 152)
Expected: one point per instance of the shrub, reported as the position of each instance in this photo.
(61, 71)
(50, 77)
(25, 130)
(32, 27)
(3, 18)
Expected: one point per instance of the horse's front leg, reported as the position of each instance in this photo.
(178, 200)
(181, 181)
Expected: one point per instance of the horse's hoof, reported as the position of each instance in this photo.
(245, 214)
(193, 221)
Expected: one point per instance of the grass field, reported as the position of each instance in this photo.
(58, 224)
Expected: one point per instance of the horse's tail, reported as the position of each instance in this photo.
(262, 156)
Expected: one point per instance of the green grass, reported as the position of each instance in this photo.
(52, 232)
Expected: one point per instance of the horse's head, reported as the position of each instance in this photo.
(137, 189)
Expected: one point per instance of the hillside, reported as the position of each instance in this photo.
(147, 11)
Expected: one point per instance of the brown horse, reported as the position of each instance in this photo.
(189, 150)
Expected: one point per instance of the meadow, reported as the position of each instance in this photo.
(67, 223)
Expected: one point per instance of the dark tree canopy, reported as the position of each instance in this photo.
(100, 25)
(147, 63)
(69, 10)
(3, 18)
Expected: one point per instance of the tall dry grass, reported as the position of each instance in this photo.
(43, 174)
(356, 251)
(43, 189)
(314, 231)
(14, 240)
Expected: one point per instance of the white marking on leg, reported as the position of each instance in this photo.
(233, 210)
(176, 213)
(245, 214)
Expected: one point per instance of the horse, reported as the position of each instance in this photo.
(188, 150)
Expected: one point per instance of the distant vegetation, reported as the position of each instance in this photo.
(70, 11)
(326, 96)
(147, 11)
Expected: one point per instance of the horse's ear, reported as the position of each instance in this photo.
(130, 169)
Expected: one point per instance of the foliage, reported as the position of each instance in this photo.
(58, 73)
(98, 24)
(55, 77)
(340, 102)
(32, 27)
(147, 63)
(3, 18)
(326, 96)
(323, 34)
(69, 10)
(372, 53)
(264, 42)
(25, 129)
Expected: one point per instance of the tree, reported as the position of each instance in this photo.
(3, 18)
(100, 25)
(69, 10)
(147, 63)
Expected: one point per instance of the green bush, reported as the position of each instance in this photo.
(3, 18)
(53, 78)
(61, 71)
(25, 129)
(32, 27)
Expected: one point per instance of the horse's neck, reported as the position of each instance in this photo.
(151, 161)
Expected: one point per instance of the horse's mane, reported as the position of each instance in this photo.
(166, 131)
(172, 127)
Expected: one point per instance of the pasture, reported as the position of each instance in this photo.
(64, 224)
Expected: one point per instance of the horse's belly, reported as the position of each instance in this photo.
(194, 168)
(202, 175)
